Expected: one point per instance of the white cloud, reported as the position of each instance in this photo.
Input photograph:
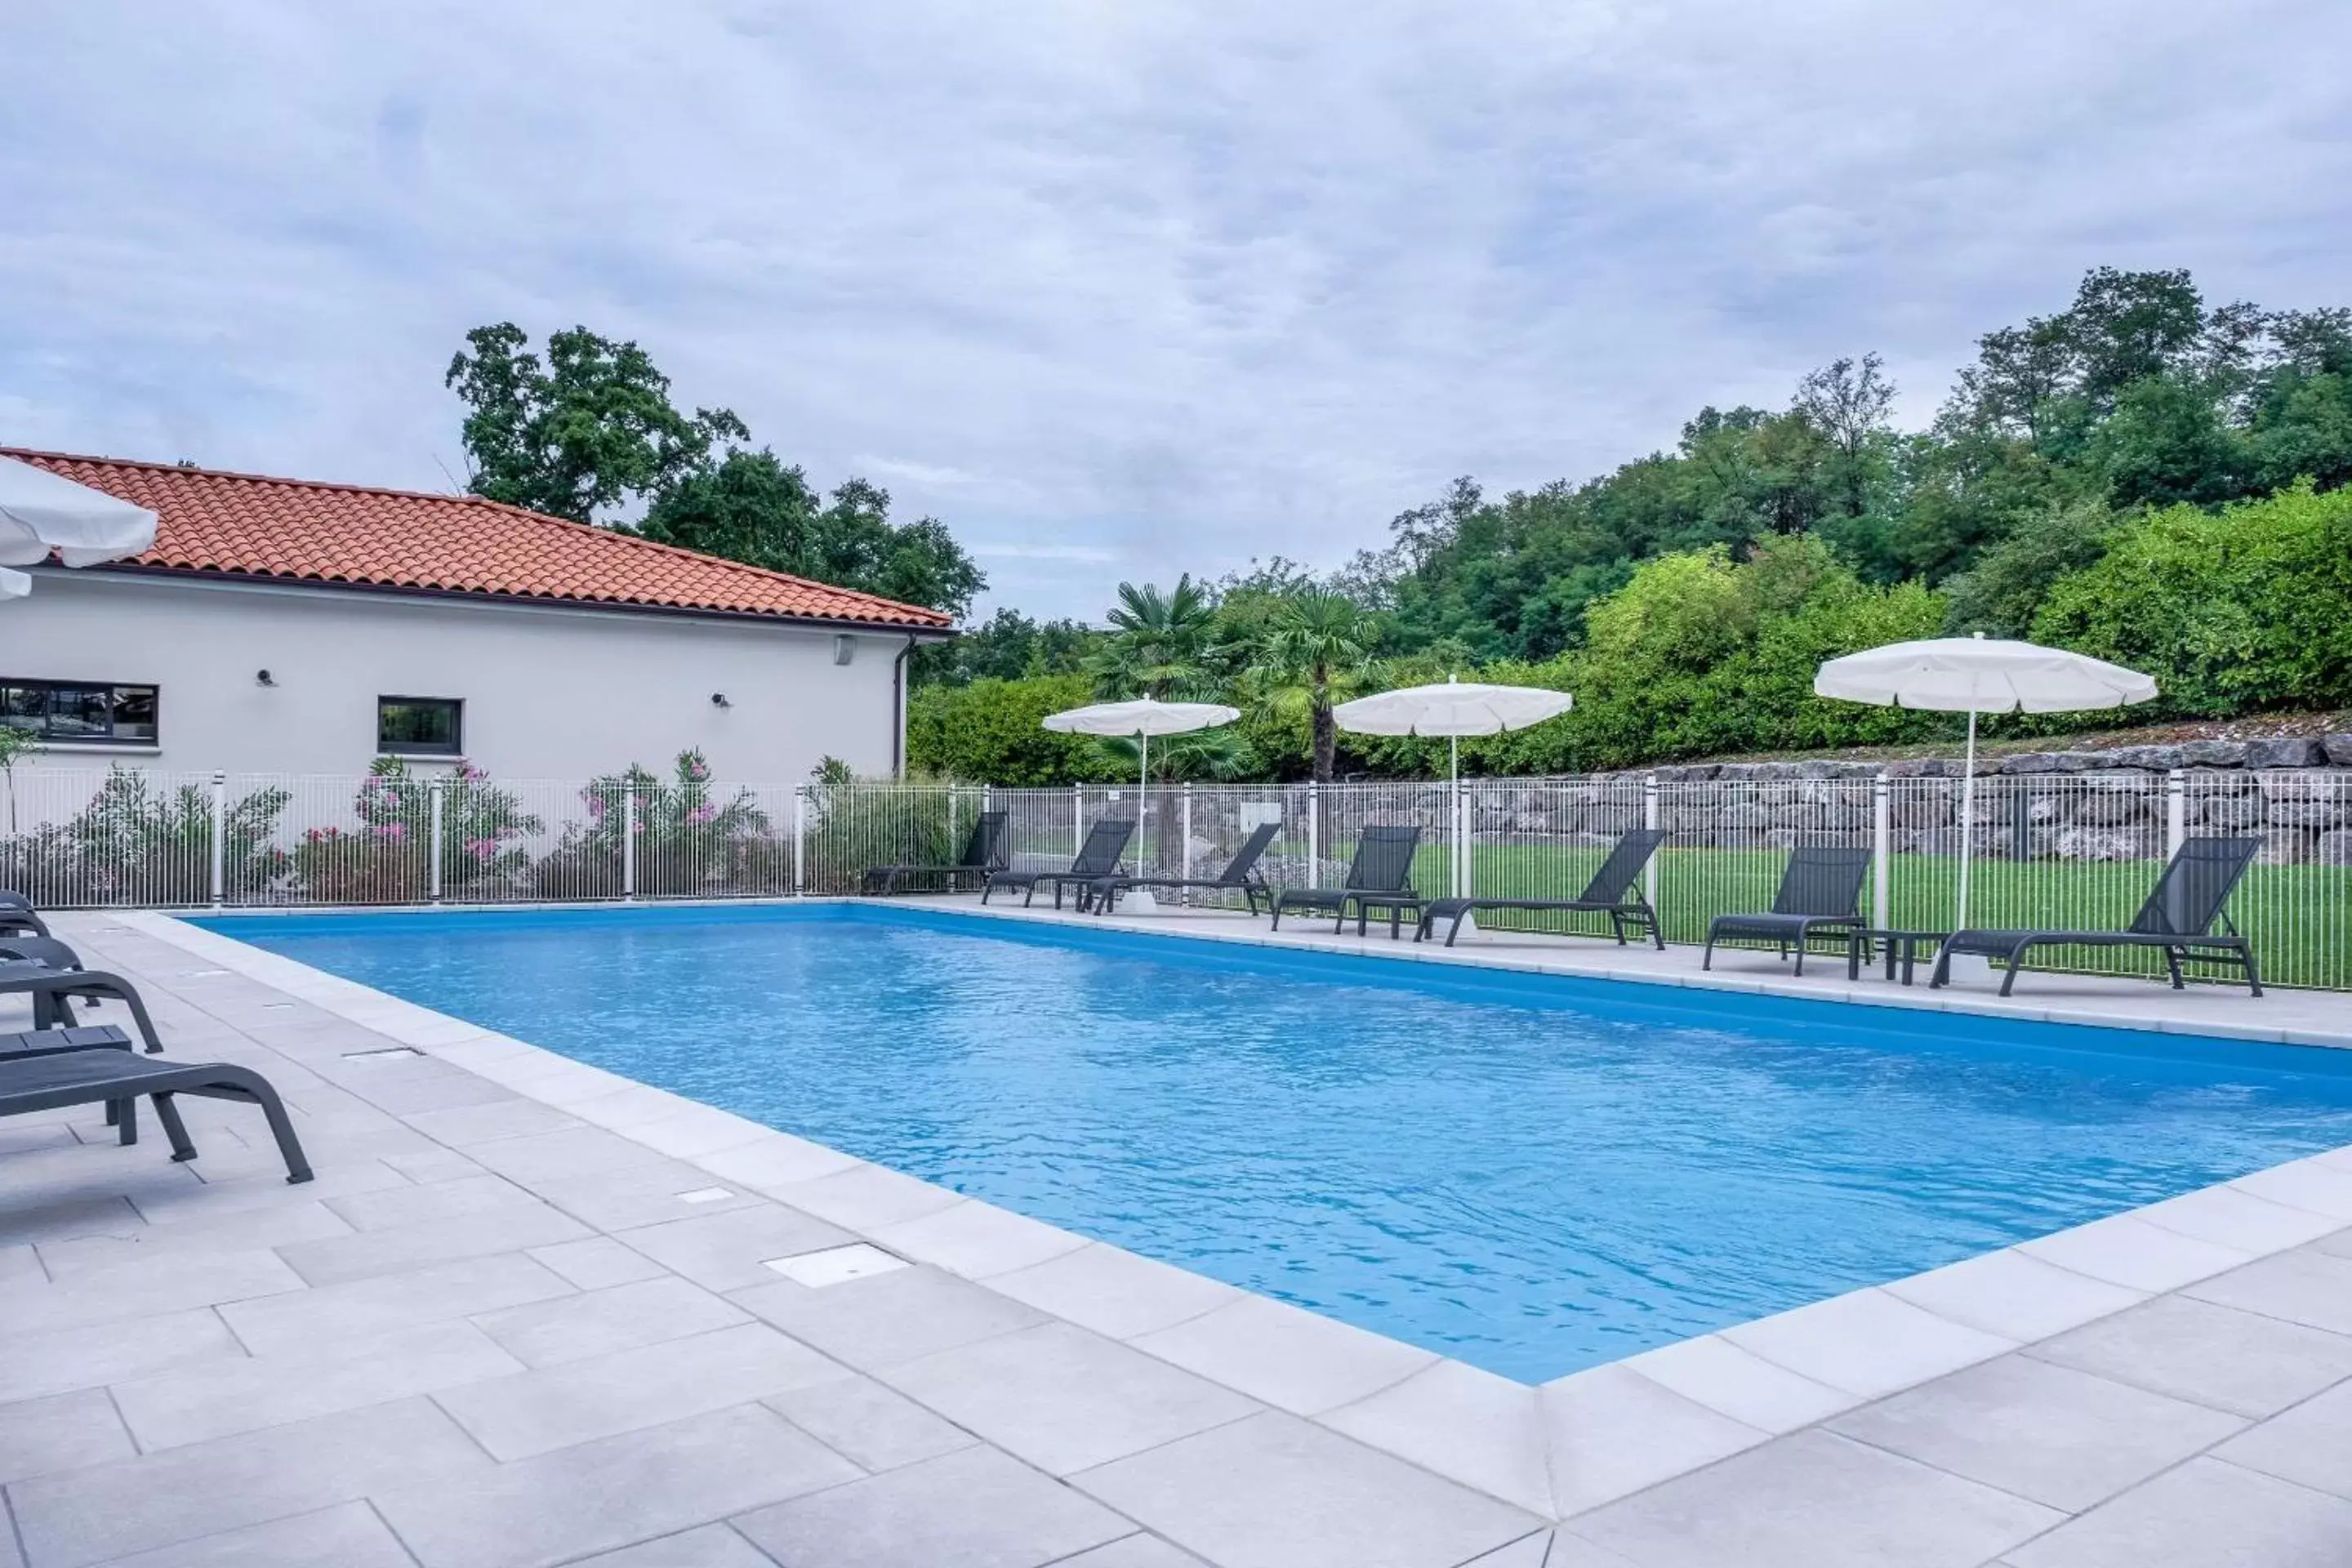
(1175, 283)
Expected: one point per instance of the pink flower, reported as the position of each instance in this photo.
(703, 813)
(596, 807)
(391, 832)
(482, 850)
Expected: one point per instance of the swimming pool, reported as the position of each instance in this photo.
(1530, 1173)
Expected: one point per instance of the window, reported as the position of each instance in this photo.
(419, 726)
(80, 712)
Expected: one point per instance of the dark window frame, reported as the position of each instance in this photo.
(456, 745)
(114, 689)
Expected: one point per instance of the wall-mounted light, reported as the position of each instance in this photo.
(845, 648)
(719, 699)
(263, 677)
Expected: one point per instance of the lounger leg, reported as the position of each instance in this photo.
(2172, 963)
(2254, 976)
(174, 1128)
(1801, 955)
(1707, 961)
(124, 1115)
(2016, 963)
(1455, 929)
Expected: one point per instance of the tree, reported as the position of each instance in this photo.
(1319, 642)
(1008, 646)
(751, 507)
(1159, 645)
(1847, 401)
(582, 431)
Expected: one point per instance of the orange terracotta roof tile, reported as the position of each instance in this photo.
(248, 525)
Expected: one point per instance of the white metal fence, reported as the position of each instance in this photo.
(2071, 851)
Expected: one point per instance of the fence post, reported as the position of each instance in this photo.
(1650, 819)
(629, 839)
(219, 875)
(1461, 856)
(433, 844)
(1882, 852)
(1077, 820)
(1314, 834)
(2176, 812)
(1184, 828)
(799, 840)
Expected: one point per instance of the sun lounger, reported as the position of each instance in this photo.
(1821, 890)
(1612, 891)
(1098, 858)
(2177, 916)
(1241, 876)
(18, 914)
(983, 852)
(77, 1037)
(117, 1079)
(1381, 877)
(52, 989)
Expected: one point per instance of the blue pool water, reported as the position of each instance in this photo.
(1530, 1173)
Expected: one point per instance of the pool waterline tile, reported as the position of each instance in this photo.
(531, 1069)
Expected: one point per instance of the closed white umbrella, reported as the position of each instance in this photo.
(1453, 710)
(1979, 675)
(41, 513)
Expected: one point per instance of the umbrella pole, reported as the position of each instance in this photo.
(1453, 757)
(1968, 818)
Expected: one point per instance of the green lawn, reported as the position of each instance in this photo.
(2300, 917)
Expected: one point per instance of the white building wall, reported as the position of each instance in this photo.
(550, 692)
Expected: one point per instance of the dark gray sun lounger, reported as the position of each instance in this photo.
(52, 990)
(18, 914)
(983, 852)
(75, 1038)
(1098, 858)
(117, 1079)
(1821, 890)
(1613, 892)
(1241, 876)
(2177, 916)
(1380, 878)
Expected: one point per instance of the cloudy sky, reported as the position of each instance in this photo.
(1121, 287)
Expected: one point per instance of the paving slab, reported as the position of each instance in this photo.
(596, 1262)
(2015, 1295)
(977, 1240)
(144, 1285)
(1295, 1360)
(2239, 1362)
(1866, 1342)
(1469, 1426)
(2309, 1444)
(1611, 1431)
(534, 1412)
(2306, 1286)
(889, 1317)
(1711, 1371)
(61, 1432)
(594, 1497)
(976, 1508)
(876, 1427)
(866, 1196)
(2045, 1432)
(712, 1546)
(217, 1398)
(1816, 1500)
(1275, 1491)
(362, 1309)
(64, 1359)
(729, 1250)
(103, 1511)
(348, 1535)
(1114, 1291)
(1064, 1399)
(2205, 1512)
(405, 1248)
(598, 1322)
(1133, 1552)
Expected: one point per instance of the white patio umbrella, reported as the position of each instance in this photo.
(1143, 718)
(41, 513)
(1453, 710)
(1979, 675)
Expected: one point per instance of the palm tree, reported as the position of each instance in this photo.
(1317, 644)
(1161, 645)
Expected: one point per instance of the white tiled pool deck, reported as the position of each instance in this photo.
(534, 1314)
